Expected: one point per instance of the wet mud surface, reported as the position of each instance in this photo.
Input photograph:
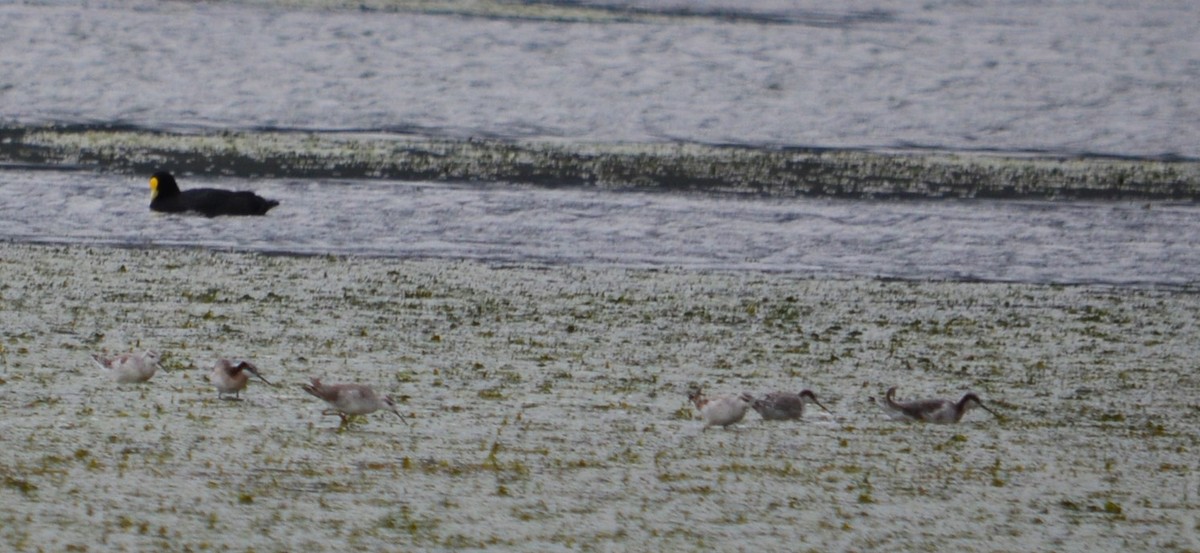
(548, 409)
(761, 172)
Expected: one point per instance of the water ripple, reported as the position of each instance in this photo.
(1119, 243)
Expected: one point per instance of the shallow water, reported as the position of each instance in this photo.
(1120, 243)
(1059, 79)
(1064, 77)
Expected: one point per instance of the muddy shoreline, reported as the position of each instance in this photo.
(771, 172)
(548, 409)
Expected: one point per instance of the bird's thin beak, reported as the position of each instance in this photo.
(985, 408)
(260, 377)
(397, 412)
(822, 407)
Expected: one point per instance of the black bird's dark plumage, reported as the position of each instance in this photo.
(166, 197)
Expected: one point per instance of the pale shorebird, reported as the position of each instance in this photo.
(941, 411)
(231, 378)
(721, 410)
(129, 367)
(348, 400)
(782, 406)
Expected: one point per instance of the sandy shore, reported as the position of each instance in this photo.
(548, 411)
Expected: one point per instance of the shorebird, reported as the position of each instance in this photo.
(721, 410)
(129, 367)
(782, 406)
(348, 400)
(232, 378)
(941, 411)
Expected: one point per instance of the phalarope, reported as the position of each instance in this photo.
(780, 406)
(941, 411)
(347, 400)
(721, 410)
(129, 367)
(231, 378)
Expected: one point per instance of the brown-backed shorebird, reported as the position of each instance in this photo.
(782, 406)
(231, 377)
(941, 411)
(348, 400)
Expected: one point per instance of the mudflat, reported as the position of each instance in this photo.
(548, 409)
